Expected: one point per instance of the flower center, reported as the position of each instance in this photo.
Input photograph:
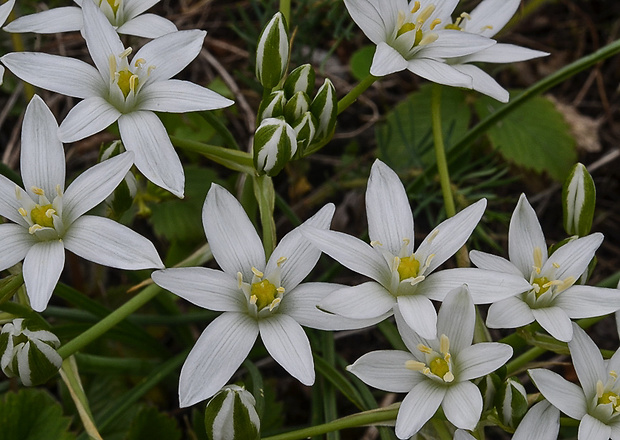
(414, 21)
(44, 218)
(127, 81)
(265, 293)
(540, 285)
(42, 215)
(609, 397)
(114, 4)
(408, 267)
(438, 366)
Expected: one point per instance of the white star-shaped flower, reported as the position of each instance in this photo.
(124, 91)
(597, 402)
(125, 15)
(437, 371)
(257, 296)
(552, 298)
(401, 275)
(47, 219)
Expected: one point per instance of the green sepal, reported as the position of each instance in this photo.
(300, 80)
(272, 106)
(324, 107)
(511, 402)
(230, 415)
(275, 143)
(296, 107)
(305, 128)
(272, 52)
(578, 201)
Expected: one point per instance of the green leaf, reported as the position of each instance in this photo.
(33, 414)
(189, 126)
(361, 60)
(153, 425)
(405, 138)
(534, 136)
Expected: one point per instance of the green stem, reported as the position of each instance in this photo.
(265, 196)
(232, 159)
(285, 9)
(440, 151)
(9, 285)
(109, 321)
(441, 429)
(221, 128)
(371, 417)
(519, 362)
(350, 97)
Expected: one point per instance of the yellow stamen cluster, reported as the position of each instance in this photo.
(263, 293)
(42, 215)
(114, 4)
(606, 397)
(541, 285)
(439, 365)
(423, 16)
(408, 267)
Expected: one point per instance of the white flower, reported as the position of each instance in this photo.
(123, 91)
(438, 371)
(256, 296)
(411, 35)
(5, 10)
(47, 218)
(125, 15)
(402, 276)
(552, 298)
(487, 19)
(597, 402)
(542, 422)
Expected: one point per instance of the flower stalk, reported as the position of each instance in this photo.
(352, 96)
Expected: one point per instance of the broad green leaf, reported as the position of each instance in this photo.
(151, 424)
(405, 139)
(189, 126)
(361, 61)
(32, 414)
(534, 136)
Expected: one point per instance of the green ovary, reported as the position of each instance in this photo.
(408, 267)
(125, 80)
(265, 292)
(439, 367)
(609, 397)
(114, 4)
(541, 282)
(39, 216)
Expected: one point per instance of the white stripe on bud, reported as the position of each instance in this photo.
(511, 402)
(272, 106)
(305, 128)
(300, 80)
(324, 107)
(231, 415)
(578, 201)
(272, 52)
(275, 143)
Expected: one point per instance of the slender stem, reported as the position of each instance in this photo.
(441, 428)
(350, 97)
(9, 286)
(285, 9)
(440, 151)
(233, 159)
(265, 196)
(519, 362)
(371, 417)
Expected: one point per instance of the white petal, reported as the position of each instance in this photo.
(480, 359)
(42, 155)
(461, 434)
(485, 286)
(373, 18)
(170, 53)
(5, 10)
(64, 75)
(365, 301)
(208, 288)
(573, 258)
(175, 96)
(452, 43)
(486, 261)
(456, 319)
(593, 429)
(101, 38)
(9, 205)
(483, 82)
(503, 53)
(143, 133)
(352, 253)
(439, 72)
(587, 360)
(511, 312)
(542, 422)
(147, 26)
(301, 304)
(42, 267)
(218, 352)
(51, 21)
(463, 405)
(390, 220)
(564, 395)
(451, 234)
(525, 235)
(418, 407)
(234, 242)
(411, 339)
(385, 370)
(133, 8)
(588, 301)
(15, 242)
(490, 16)
(287, 343)
(86, 118)
(555, 321)
(95, 184)
(418, 312)
(387, 60)
(301, 255)
(109, 243)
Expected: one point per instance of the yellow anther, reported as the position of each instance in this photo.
(415, 365)
(444, 344)
(406, 241)
(556, 265)
(426, 13)
(565, 284)
(239, 279)
(407, 27)
(416, 7)
(34, 228)
(257, 272)
(613, 374)
(538, 263)
(124, 81)
(424, 349)
(280, 290)
(416, 280)
(133, 83)
(112, 62)
(432, 236)
(428, 39)
(600, 389)
(487, 27)
(125, 53)
(541, 285)
(281, 260)
(23, 212)
(466, 15)
(448, 377)
(253, 299)
(149, 70)
(435, 23)
(376, 243)
(274, 304)
(18, 192)
(140, 62)
(59, 190)
(37, 191)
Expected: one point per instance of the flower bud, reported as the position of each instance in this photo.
(231, 415)
(578, 200)
(324, 107)
(272, 52)
(305, 128)
(275, 143)
(272, 106)
(296, 106)
(300, 80)
(511, 402)
(28, 353)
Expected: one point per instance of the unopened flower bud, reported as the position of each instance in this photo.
(305, 128)
(231, 415)
(300, 80)
(272, 106)
(275, 143)
(511, 403)
(324, 107)
(28, 353)
(296, 106)
(272, 52)
(578, 200)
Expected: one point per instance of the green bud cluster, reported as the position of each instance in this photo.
(511, 403)
(231, 415)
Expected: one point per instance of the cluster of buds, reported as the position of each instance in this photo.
(231, 415)
(28, 352)
(291, 122)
